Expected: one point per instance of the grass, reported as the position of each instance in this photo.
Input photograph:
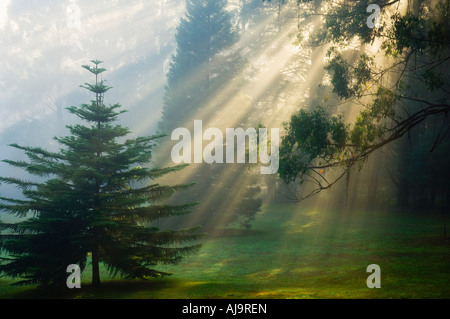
(296, 252)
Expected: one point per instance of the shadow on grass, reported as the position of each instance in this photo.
(151, 289)
(235, 232)
(108, 289)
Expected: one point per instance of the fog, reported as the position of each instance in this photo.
(45, 42)
(291, 124)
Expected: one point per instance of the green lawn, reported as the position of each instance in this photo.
(296, 252)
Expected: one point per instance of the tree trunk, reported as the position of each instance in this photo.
(95, 268)
(95, 258)
(372, 195)
(404, 183)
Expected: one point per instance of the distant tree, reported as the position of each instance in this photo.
(202, 61)
(206, 60)
(96, 201)
(248, 206)
(408, 89)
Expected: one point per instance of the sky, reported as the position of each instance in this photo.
(44, 43)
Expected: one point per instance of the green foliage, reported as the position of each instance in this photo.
(312, 139)
(97, 199)
(428, 32)
(340, 77)
(343, 22)
(393, 97)
(433, 79)
(349, 80)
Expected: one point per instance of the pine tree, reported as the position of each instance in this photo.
(95, 202)
(200, 64)
(249, 204)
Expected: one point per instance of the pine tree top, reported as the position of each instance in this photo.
(96, 70)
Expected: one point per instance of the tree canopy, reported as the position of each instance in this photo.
(396, 90)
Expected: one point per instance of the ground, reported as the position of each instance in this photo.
(297, 252)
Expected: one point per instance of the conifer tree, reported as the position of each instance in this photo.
(96, 201)
(200, 64)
